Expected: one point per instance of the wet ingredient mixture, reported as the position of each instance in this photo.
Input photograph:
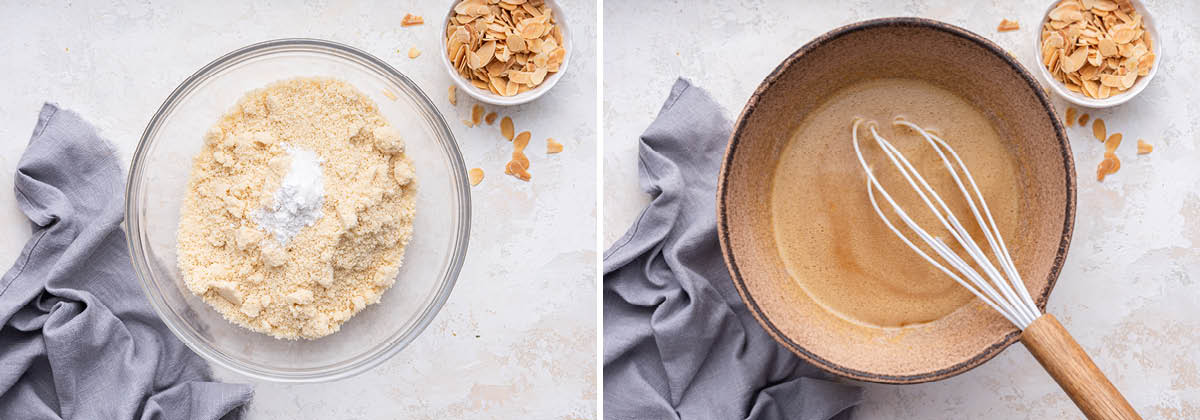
(827, 232)
(298, 209)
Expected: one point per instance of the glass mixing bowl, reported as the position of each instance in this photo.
(158, 180)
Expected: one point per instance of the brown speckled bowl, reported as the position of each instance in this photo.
(952, 58)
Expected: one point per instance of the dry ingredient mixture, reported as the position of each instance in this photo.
(298, 209)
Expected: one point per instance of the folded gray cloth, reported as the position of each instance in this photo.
(78, 340)
(678, 341)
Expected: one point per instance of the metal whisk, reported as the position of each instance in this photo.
(1000, 288)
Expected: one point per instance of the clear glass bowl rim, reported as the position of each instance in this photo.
(399, 340)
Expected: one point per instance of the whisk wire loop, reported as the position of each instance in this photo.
(991, 230)
(959, 232)
(1005, 293)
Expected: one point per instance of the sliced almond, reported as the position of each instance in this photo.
(553, 146)
(411, 20)
(506, 128)
(1105, 5)
(1110, 165)
(475, 175)
(1110, 80)
(413, 52)
(519, 156)
(515, 169)
(1008, 25)
(1075, 60)
(1128, 79)
(1066, 12)
(1107, 47)
(1112, 143)
(521, 141)
(1143, 147)
(1070, 116)
(1083, 119)
(490, 118)
(1098, 129)
(1091, 88)
(516, 44)
(476, 114)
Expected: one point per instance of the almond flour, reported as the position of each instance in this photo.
(311, 159)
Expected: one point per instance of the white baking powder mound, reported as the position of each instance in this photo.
(299, 199)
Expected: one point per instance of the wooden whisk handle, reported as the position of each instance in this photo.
(1075, 372)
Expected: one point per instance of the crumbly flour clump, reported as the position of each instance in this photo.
(298, 209)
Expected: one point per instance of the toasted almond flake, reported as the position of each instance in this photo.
(1105, 5)
(1098, 129)
(518, 171)
(390, 95)
(411, 20)
(413, 52)
(1143, 147)
(521, 140)
(450, 92)
(1112, 143)
(1108, 166)
(1107, 47)
(519, 156)
(476, 176)
(506, 128)
(553, 146)
(1008, 25)
(1070, 116)
(1075, 60)
(476, 114)
(490, 118)
(1083, 119)
(467, 123)
(1110, 80)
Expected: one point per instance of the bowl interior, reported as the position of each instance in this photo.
(948, 57)
(158, 180)
(491, 98)
(1148, 23)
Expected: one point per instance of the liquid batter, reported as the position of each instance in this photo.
(829, 237)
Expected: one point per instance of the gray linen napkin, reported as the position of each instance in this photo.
(77, 338)
(678, 341)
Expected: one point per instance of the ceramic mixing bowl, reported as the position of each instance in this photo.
(949, 57)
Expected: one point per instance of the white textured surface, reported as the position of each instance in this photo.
(1131, 286)
(517, 337)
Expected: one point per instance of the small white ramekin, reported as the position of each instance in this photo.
(1083, 100)
(486, 96)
